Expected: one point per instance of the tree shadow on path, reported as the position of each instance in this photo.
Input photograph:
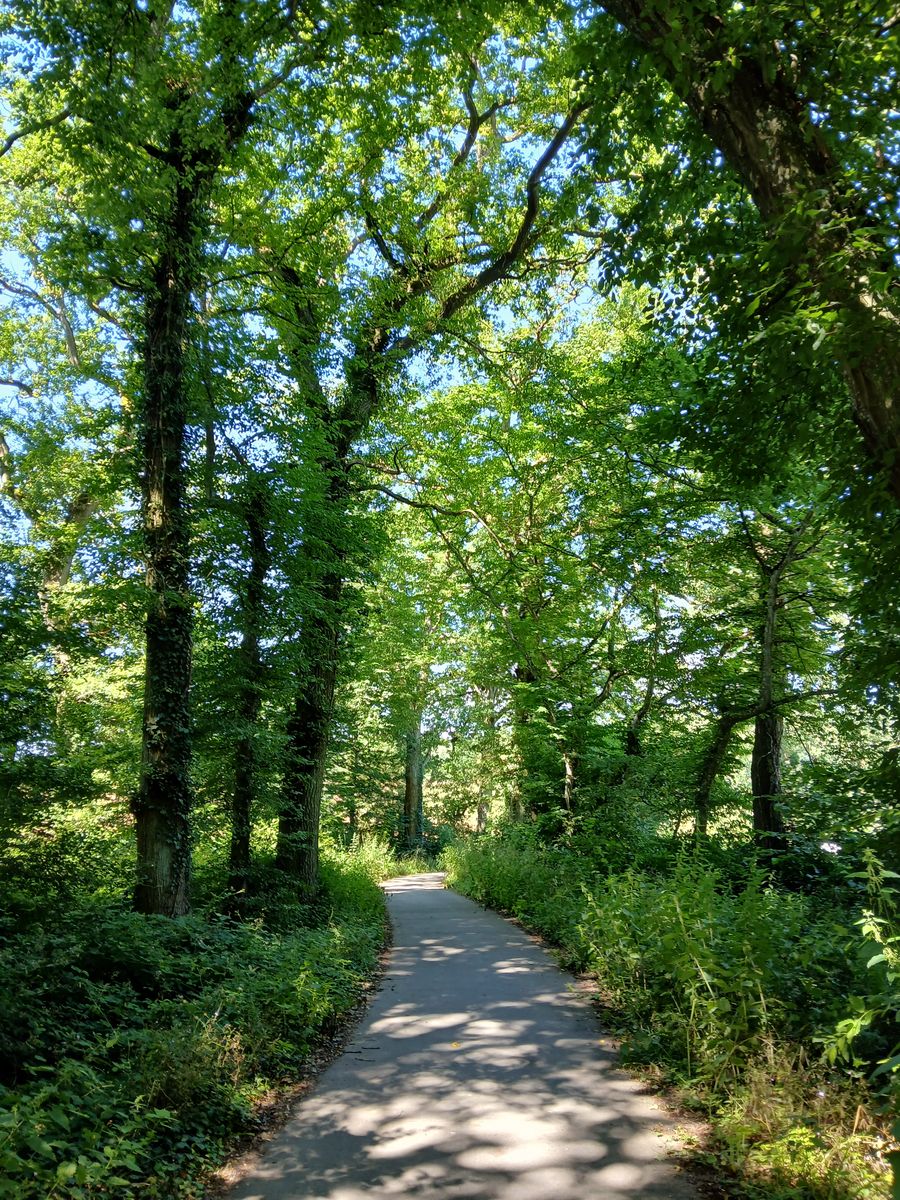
(476, 1075)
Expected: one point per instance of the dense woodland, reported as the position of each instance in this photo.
(466, 431)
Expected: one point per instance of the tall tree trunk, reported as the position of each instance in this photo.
(252, 672)
(325, 550)
(163, 802)
(634, 747)
(530, 790)
(569, 780)
(308, 731)
(326, 547)
(765, 776)
(765, 764)
(490, 696)
(515, 806)
(481, 813)
(162, 805)
(352, 823)
(413, 780)
(756, 116)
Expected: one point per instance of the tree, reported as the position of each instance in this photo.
(532, 512)
(201, 73)
(394, 678)
(797, 104)
(425, 266)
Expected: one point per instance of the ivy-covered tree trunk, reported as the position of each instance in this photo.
(163, 802)
(323, 556)
(307, 740)
(634, 747)
(162, 805)
(252, 672)
(327, 548)
(413, 781)
(747, 99)
(765, 777)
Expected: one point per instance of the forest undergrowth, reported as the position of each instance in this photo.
(770, 1011)
(133, 1049)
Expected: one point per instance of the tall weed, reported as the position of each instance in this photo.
(725, 983)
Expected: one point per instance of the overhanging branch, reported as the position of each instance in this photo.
(33, 127)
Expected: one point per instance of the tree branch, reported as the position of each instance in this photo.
(476, 121)
(33, 127)
(398, 267)
(5, 465)
(498, 268)
(17, 383)
(421, 504)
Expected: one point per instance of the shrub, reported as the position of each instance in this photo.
(131, 1048)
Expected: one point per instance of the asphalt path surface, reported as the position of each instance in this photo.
(477, 1073)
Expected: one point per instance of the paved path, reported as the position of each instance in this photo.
(476, 1074)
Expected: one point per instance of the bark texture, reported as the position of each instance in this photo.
(570, 777)
(531, 792)
(710, 766)
(162, 805)
(307, 736)
(765, 777)
(412, 791)
(765, 763)
(163, 802)
(755, 114)
(326, 548)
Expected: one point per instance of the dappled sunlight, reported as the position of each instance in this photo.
(433, 952)
(477, 1076)
(400, 1025)
(428, 881)
(510, 967)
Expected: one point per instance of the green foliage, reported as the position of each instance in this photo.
(540, 886)
(133, 1047)
(871, 1031)
(509, 422)
(75, 852)
(378, 860)
(738, 970)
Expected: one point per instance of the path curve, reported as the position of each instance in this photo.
(476, 1074)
